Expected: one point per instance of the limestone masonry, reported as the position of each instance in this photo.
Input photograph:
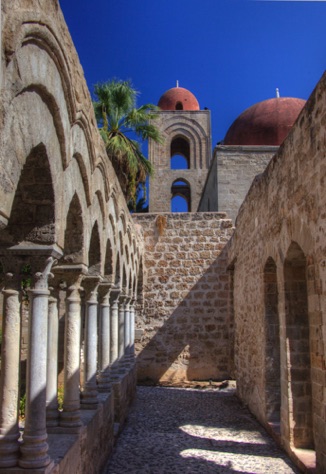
(94, 298)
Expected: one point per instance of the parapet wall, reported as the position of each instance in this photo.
(184, 332)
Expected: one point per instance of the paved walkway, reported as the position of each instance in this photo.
(171, 430)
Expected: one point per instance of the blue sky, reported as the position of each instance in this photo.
(229, 53)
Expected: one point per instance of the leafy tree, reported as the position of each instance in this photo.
(117, 117)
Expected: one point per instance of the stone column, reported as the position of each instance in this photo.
(52, 414)
(127, 332)
(132, 332)
(9, 382)
(70, 415)
(89, 393)
(114, 339)
(34, 447)
(121, 332)
(104, 334)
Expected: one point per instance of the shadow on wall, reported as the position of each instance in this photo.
(187, 335)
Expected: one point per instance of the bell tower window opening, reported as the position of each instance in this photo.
(180, 154)
(179, 106)
(180, 196)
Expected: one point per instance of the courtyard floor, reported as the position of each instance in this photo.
(173, 430)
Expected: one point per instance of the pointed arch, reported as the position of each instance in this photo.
(181, 189)
(272, 345)
(94, 252)
(32, 215)
(74, 233)
(298, 348)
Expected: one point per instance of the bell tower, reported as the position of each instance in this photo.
(181, 163)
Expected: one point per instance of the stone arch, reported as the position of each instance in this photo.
(104, 172)
(74, 234)
(127, 254)
(108, 263)
(23, 31)
(32, 215)
(180, 147)
(194, 132)
(94, 252)
(181, 187)
(272, 345)
(52, 105)
(117, 276)
(298, 348)
(124, 277)
(102, 207)
(84, 177)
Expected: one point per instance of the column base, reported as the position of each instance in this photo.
(9, 450)
(70, 420)
(34, 452)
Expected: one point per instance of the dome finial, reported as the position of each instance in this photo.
(277, 93)
(177, 83)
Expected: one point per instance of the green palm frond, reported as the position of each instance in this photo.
(116, 114)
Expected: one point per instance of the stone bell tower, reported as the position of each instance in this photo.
(181, 163)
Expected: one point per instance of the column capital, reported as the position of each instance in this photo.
(123, 295)
(104, 291)
(114, 294)
(90, 285)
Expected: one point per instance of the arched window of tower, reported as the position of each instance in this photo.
(180, 196)
(179, 106)
(180, 153)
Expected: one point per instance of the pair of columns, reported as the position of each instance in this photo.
(33, 450)
(41, 388)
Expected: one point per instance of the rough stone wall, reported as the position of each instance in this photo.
(195, 127)
(231, 173)
(281, 225)
(184, 331)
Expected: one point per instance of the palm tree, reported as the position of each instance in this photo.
(117, 116)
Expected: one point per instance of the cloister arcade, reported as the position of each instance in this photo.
(68, 247)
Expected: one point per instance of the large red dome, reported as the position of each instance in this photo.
(178, 98)
(265, 123)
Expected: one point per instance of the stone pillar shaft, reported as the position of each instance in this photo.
(89, 394)
(34, 448)
(9, 383)
(127, 332)
(70, 416)
(132, 332)
(114, 333)
(105, 346)
(52, 414)
(121, 333)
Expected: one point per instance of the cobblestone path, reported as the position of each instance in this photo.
(172, 430)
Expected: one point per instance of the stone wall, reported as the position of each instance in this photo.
(231, 173)
(184, 331)
(278, 258)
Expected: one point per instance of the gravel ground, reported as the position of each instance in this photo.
(172, 430)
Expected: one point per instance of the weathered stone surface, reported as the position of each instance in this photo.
(281, 225)
(185, 325)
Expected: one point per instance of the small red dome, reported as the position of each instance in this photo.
(265, 123)
(178, 98)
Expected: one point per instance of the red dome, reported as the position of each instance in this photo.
(265, 123)
(178, 98)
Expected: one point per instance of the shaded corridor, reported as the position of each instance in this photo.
(171, 430)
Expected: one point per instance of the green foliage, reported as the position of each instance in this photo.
(26, 281)
(60, 397)
(117, 116)
(22, 406)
